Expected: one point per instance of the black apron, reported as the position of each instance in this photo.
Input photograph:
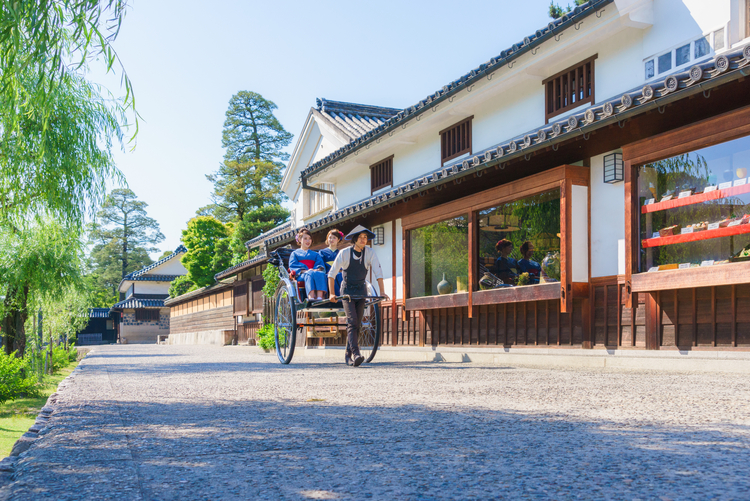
(355, 275)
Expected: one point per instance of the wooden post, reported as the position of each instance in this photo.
(394, 289)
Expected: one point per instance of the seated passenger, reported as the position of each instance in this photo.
(309, 266)
(506, 268)
(526, 265)
(329, 254)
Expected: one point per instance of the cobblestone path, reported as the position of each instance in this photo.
(204, 422)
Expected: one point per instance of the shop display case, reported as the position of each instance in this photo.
(695, 209)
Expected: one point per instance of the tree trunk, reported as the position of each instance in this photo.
(14, 332)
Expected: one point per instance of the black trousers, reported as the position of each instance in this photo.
(354, 310)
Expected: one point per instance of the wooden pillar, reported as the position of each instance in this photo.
(394, 289)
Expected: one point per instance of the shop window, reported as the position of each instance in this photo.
(455, 140)
(570, 88)
(695, 208)
(514, 239)
(381, 174)
(144, 315)
(439, 262)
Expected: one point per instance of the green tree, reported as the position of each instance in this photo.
(181, 285)
(249, 179)
(253, 224)
(252, 132)
(555, 11)
(55, 41)
(123, 235)
(45, 262)
(241, 187)
(204, 238)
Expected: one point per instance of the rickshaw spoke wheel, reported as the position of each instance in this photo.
(369, 332)
(285, 324)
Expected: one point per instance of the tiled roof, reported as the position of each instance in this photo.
(354, 120)
(699, 78)
(238, 268)
(197, 293)
(554, 28)
(265, 236)
(133, 302)
(153, 278)
(179, 250)
(98, 312)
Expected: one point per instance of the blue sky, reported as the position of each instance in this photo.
(186, 59)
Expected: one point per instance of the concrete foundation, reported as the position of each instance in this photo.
(220, 337)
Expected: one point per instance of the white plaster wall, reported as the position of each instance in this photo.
(151, 287)
(171, 267)
(607, 220)
(580, 230)
(676, 21)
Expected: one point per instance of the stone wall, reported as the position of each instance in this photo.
(141, 332)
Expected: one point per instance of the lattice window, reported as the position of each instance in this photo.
(144, 315)
(317, 201)
(455, 140)
(381, 174)
(569, 89)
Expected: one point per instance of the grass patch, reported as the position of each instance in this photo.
(17, 415)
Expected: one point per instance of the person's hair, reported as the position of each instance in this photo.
(335, 232)
(502, 244)
(525, 248)
(301, 232)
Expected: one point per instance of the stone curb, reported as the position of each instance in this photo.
(8, 464)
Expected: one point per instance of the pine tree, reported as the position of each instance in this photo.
(123, 236)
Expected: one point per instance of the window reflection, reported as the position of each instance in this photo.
(439, 260)
(531, 224)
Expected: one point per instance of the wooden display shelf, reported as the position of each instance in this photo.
(706, 276)
(696, 199)
(695, 236)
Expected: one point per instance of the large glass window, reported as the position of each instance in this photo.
(515, 237)
(439, 260)
(695, 208)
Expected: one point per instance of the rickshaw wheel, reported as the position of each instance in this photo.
(369, 331)
(285, 324)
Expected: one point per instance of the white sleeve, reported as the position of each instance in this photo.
(338, 265)
(375, 264)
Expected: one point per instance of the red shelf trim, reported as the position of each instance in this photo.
(696, 199)
(698, 235)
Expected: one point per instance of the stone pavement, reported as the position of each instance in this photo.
(207, 422)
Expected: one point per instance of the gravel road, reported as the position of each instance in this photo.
(206, 422)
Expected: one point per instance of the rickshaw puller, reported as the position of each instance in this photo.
(355, 262)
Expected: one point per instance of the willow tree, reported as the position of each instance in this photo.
(43, 44)
(43, 261)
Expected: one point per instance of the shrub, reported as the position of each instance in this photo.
(16, 378)
(271, 276)
(61, 357)
(265, 337)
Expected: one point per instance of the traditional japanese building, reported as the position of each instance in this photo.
(143, 315)
(611, 144)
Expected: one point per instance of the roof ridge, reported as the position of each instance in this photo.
(331, 106)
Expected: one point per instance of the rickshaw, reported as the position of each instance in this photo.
(297, 318)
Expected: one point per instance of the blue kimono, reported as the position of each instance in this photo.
(506, 270)
(303, 263)
(328, 256)
(533, 268)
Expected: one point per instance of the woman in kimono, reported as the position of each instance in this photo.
(329, 254)
(309, 266)
(526, 265)
(506, 267)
